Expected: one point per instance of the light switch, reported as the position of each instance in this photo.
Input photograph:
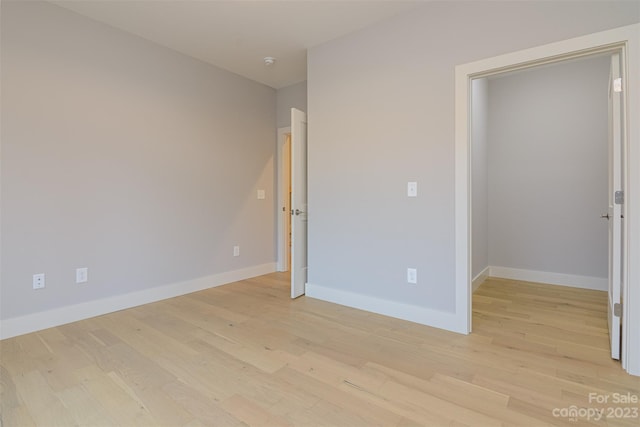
(412, 189)
(82, 275)
(412, 275)
(261, 195)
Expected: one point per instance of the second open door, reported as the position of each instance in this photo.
(616, 199)
(298, 202)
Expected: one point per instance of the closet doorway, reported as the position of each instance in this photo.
(544, 154)
(623, 41)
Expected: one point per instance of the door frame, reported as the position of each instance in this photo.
(624, 40)
(282, 261)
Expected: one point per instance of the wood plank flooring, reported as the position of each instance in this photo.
(246, 354)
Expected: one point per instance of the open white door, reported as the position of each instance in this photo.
(614, 212)
(298, 202)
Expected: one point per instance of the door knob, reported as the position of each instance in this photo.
(298, 212)
(605, 216)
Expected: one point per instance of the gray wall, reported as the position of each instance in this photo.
(480, 178)
(124, 157)
(548, 169)
(381, 113)
(294, 96)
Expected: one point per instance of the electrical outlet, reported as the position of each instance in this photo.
(38, 281)
(82, 275)
(412, 189)
(412, 275)
(261, 195)
(236, 251)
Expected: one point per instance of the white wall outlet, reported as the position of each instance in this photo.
(412, 275)
(236, 251)
(261, 194)
(82, 275)
(412, 189)
(38, 281)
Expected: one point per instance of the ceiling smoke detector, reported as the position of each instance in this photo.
(269, 61)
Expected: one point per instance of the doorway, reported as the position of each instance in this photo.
(623, 41)
(539, 174)
(284, 199)
(549, 177)
(539, 171)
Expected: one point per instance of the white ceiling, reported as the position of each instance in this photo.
(237, 34)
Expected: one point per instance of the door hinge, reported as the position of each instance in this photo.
(617, 309)
(617, 85)
(619, 197)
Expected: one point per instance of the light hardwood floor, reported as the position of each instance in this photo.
(245, 354)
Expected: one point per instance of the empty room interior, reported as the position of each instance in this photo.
(319, 213)
(540, 171)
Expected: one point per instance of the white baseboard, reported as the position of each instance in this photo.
(481, 277)
(574, 281)
(412, 313)
(59, 316)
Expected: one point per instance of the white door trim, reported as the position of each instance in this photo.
(623, 39)
(281, 197)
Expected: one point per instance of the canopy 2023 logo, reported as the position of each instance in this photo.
(602, 406)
